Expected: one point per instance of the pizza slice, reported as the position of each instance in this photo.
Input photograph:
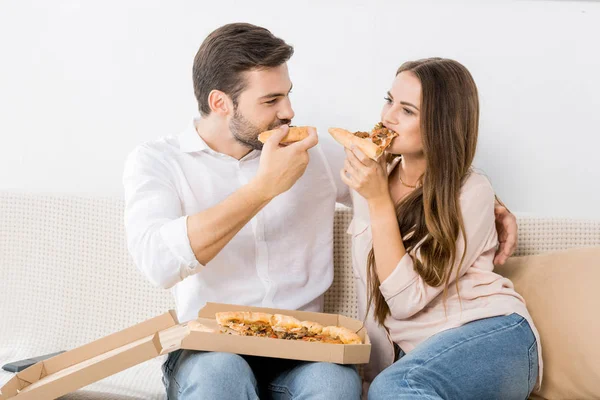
(283, 327)
(245, 323)
(295, 134)
(286, 327)
(373, 143)
(345, 335)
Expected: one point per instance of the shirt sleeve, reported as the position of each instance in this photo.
(155, 225)
(335, 157)
(405, 291)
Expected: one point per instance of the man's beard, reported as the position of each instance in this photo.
(247, 133)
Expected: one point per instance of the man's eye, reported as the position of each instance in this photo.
(271, 101)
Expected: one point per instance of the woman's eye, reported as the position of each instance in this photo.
(388, 100)
(408, 111)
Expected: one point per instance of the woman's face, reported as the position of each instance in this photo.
(401, 113)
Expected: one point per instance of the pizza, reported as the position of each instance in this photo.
(295, 134)
(373, 143)
(280, 326)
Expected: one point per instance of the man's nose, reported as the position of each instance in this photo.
(286, 111)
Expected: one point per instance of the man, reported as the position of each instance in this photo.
(214, 216)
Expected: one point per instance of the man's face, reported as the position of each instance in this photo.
(263, 105)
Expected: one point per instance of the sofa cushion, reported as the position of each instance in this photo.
(561, 291)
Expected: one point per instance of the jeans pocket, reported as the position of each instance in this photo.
(533, 366)
(169, 364)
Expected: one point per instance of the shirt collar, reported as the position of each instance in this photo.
(393, 164)
(190, 141)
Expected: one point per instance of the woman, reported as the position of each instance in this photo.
(424, 240)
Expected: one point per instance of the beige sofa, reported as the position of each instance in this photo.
(67, 279)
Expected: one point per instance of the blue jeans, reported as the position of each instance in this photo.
(492, 358)
(191, 374)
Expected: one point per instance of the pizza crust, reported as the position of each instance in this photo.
(372, 144)
(347, 139)
(295, 134)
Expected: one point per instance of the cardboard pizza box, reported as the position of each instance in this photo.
(92, 362)
(161, 335)
(202, 336)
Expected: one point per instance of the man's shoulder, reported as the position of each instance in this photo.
(158, 149)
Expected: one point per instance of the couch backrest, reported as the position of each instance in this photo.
(65, 270)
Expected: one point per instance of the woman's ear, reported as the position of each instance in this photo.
(220, 103)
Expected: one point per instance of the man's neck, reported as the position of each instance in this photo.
(218, 137)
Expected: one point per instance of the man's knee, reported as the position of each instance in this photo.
(332, 381)
(207, 364)
(209, 374)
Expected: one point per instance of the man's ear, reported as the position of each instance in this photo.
(220, 103)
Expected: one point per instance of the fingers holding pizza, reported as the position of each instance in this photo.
(365, 167)
(372, 144)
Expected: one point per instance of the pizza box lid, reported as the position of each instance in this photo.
(91, 362)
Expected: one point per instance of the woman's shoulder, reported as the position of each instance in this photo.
(477, 184)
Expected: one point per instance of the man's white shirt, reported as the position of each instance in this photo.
(283, 258)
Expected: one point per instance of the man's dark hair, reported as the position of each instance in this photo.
(227, 53)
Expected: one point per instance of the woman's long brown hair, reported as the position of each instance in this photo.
(430, 218)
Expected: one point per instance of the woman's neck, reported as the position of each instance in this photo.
(411, 168)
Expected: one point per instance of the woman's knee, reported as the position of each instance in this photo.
(404, 382)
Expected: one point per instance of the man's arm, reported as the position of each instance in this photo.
(168, 246)
(506, 225)
(280, 167)
(210, 230)
(334, 158)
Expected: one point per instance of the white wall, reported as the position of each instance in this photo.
(83, 82)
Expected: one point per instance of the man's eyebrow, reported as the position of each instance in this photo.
(277, 94)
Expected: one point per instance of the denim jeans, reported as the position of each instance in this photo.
(492, 358)
(191, 374)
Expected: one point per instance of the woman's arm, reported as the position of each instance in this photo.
(387, 238)
(405, 291)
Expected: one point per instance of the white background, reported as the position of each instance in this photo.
(83, 82)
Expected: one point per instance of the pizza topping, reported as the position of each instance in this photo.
(362, 135)
(281, 327)
(323, 339)
(380, 135)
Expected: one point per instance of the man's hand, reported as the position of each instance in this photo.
(281, 166)
(506, 225)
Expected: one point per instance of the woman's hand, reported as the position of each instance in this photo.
(369, 178)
